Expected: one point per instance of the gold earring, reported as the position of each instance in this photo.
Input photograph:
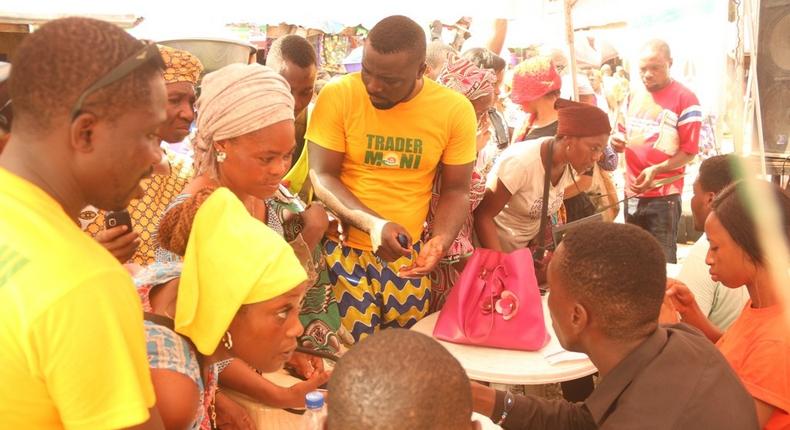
(227, 340)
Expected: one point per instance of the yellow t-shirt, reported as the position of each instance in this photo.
(391, 155)
(71, 324)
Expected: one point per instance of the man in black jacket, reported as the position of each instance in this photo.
(607, 287)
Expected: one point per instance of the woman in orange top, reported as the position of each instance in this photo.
(757, 345)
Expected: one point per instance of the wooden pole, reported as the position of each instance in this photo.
(571, 45)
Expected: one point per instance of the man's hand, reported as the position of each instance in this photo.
(121, 244)
(391, 249)
(231, 415)
(430, 255)
(645, 180)
(306, 365)
(618, 142)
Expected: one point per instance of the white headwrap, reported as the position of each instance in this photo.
(236, 100)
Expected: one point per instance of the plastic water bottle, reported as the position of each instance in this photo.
(315, 411)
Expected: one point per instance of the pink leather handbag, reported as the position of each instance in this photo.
(495, 303)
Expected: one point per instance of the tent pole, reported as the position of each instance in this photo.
(571, 45)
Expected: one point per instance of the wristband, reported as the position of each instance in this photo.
(509, 401)
(375, 233)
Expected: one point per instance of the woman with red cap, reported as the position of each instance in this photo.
(535, 87)
(508, 218)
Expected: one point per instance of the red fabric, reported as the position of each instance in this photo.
(533, 79)
(580, 119)
(659, 125)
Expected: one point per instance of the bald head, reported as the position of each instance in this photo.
(399, 379)
(657, 46)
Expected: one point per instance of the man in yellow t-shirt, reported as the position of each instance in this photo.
(376, 141)
(71, 326)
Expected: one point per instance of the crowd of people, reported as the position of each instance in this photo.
(327, 220)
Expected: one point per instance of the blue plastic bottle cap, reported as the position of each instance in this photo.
(314, 400)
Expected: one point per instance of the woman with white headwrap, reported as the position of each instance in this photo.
(244, 142)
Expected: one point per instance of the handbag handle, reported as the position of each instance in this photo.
(488, 279)
(540, 249)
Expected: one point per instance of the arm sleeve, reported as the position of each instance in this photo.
(461, 147)
(766, 375)
(689, 124)
(609, 160)
(511, 172)
(695, 275)
(93, 354)
(326, 127)
(534, 413)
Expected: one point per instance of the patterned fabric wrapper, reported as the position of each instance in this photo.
(466, 78)
(180, 65)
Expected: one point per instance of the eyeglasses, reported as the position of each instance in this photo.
(149, 52)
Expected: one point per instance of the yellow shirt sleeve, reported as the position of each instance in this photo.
(326, 127)
(461, 147)
(94, 362)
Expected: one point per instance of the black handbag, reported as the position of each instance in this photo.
(579, 206)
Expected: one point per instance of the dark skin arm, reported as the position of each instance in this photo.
(176, 398)
(493, 202)
(154, 422)
(451, 212)
(686, 305)
(325, 168)
(240, 377)
(583, 184)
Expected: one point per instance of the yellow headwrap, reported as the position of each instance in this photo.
(180, 65)
(232, 259)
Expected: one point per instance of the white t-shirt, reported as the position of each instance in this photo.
(720, 304)
(520, 169)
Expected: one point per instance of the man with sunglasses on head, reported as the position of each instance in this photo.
(5, 105)
(88, 101)
(140, 245)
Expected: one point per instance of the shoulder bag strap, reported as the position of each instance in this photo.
(544, 211)
(160, 320)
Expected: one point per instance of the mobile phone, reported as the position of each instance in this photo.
(116, 218)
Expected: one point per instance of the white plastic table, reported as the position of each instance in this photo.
(509, 367)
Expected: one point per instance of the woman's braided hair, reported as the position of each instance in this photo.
(176, 223)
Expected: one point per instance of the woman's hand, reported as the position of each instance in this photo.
(298, 391)
(306, 365)
(682, 299)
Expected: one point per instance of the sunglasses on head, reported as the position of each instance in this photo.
(4, 121)
(149, 52)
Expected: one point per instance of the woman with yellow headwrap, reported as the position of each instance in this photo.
(238, 295)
